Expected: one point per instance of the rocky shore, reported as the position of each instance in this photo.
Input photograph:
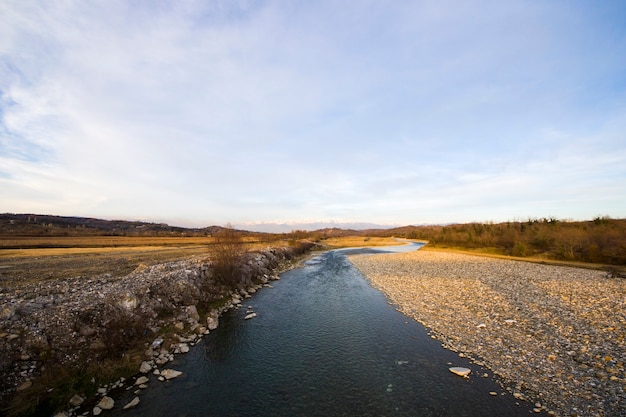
(555, 335)
(86, 320)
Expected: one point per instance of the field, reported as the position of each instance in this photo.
(30, 259)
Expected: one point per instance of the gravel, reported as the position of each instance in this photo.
(555, 335)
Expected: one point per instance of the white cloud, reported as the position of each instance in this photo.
(245, 111)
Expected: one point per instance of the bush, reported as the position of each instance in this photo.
(227, 255)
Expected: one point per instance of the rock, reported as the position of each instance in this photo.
(157, 343)
(192, 312)
(7, 312)
(106, 403)
(141, 380)
(145, 367)
(493, 393)
(97, 411)
(170, 373)
(132, 403)
(129, 302)
(235, 301)
(212, 320)
(481, 326)
(464, 372)
(61, 414)
(250, 316)
(76, 400)
(183, 348)
(200, 330)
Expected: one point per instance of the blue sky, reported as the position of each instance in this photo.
(388, 112)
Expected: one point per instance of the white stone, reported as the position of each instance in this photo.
(106, 403)
(76, 400)
(97, 411)
(464, 372)
(141, 380)
(132, 404)
(212, 320)
(170, 373)
(250, 316)
(183, 348)
(145, 367)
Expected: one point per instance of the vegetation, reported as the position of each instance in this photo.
(600, 241)
(226, 256)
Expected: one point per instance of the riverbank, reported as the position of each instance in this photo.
(69, 338)
(554, 334)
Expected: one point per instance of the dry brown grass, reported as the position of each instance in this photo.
(358, 241)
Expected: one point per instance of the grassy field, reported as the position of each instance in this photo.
(30, 259)
(357, 241)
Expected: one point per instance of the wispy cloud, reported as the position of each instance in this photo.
(208, 112)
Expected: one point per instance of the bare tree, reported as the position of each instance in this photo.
(227, 255)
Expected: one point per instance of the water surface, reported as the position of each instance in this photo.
(325, 343)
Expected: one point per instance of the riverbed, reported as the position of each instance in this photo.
(323, 343)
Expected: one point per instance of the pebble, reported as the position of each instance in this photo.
(567, 322)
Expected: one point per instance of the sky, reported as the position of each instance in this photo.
(197, 113)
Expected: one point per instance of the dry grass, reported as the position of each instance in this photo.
(358, 241)
(34, 259)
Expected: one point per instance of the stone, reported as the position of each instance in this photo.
(183, 348)
(192, 312)
(464, 372)
(212, 320)
(145, 367)
(132, 403)
(106, 403)
(76, 400)
(250, 316)
(129, 302)
(61, 414)
(170, 373)
(97, 411)
(141, 380)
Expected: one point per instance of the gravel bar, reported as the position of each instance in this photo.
(555, 335)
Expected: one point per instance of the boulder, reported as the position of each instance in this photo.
(141, 380)
(132, 403)
(76, 400)
(106, 403)
(170, 373)
(145, 367)
(250, 316)
(212, 320)
(464, 372)
(192, 312)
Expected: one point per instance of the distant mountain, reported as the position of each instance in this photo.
(287, 227)
(50, 225)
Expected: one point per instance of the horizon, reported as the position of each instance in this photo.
(287, 227)
(274, 112)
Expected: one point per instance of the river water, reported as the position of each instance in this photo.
(324, 343)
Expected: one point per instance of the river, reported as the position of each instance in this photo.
(324, 343)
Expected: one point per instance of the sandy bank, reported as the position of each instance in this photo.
(556, 335)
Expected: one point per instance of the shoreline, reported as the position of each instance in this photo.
(113, 327)
(553, 334)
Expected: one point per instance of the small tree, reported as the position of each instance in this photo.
(227, 254)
